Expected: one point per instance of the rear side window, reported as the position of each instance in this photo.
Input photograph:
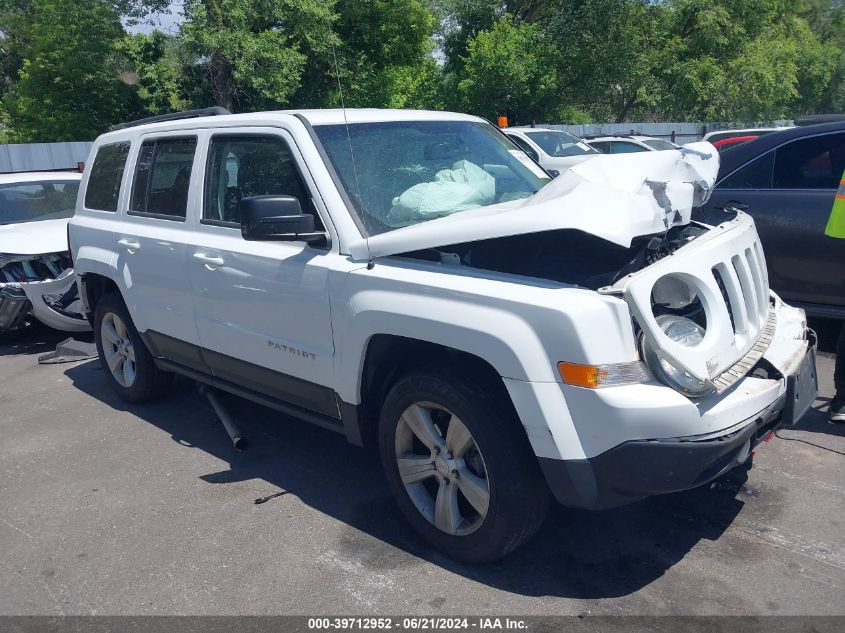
(810, 163)
(601, 146)
(106, 174)
(242, 166)
(162, 178)
(755, 175)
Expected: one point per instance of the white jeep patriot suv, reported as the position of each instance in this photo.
(413, 280)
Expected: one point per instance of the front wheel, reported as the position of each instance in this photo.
(459, 465)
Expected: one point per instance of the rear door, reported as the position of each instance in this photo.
(790, 192)
(262, 308)
(151, 243)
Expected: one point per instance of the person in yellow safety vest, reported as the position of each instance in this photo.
(836, 228)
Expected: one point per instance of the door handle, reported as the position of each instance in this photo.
(128, 245)
(211, 262)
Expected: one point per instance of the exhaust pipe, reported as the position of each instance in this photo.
(239, 440)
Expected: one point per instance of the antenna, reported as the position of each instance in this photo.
(370, 262)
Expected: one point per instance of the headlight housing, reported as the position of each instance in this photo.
(685, 332)
(673, 292)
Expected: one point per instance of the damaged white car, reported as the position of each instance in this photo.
(410, 279)
(37, 280)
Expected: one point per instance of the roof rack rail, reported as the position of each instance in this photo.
(173, 116)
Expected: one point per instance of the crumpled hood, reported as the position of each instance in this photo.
(34, 238)
(616, 197)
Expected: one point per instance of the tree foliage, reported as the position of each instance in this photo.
(533, 60)
(68, 86)
(509, 69)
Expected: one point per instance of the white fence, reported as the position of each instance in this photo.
(43, 156)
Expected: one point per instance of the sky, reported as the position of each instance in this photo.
(167, 22)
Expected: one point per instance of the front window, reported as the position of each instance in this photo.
(33, 201)
(560, 143)
(406, 172)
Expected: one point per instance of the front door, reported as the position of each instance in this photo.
(262, 308)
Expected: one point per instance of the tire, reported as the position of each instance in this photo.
(133, 374)
(489, 447)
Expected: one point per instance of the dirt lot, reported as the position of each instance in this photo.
(112, 509)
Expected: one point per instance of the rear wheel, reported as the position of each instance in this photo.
(128, 365)
(459, 465)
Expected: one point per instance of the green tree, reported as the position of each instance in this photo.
(744, 60)
(254, 52)
(384, 59)
(153, 64)
(68, 87)
(509, 70)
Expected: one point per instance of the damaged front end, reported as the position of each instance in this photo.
(41, 287)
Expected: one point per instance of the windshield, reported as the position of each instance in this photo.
(659, 144)
(41, 200)
(406, 172)
(560, 143)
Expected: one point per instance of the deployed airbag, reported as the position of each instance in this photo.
(463, 187)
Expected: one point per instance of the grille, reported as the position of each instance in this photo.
(744, 284)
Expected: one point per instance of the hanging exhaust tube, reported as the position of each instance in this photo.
(239, 440)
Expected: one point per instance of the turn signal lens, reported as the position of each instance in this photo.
(597, 376)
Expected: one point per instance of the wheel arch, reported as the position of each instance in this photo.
(388, 357)
(93, 287)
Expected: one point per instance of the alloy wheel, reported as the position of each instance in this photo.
(118, 350)
(442, 468)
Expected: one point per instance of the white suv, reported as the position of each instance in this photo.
(409, 279)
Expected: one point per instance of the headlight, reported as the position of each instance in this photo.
(688, 333)
(673, 292)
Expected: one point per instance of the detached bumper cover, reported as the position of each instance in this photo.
(54, 302)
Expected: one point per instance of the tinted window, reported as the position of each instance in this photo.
(755, 175)
(106, 175)
(162, 177)
(42, 200)
(623, 147)
(810, 163)
(242, 166)
(601, 146)
(525, 147)
(560, 143)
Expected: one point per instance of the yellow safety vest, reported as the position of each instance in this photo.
(836, 224)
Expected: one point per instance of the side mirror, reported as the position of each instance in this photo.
(276, 218)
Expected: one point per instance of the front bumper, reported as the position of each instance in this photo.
(637, 469)
(644, 468)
